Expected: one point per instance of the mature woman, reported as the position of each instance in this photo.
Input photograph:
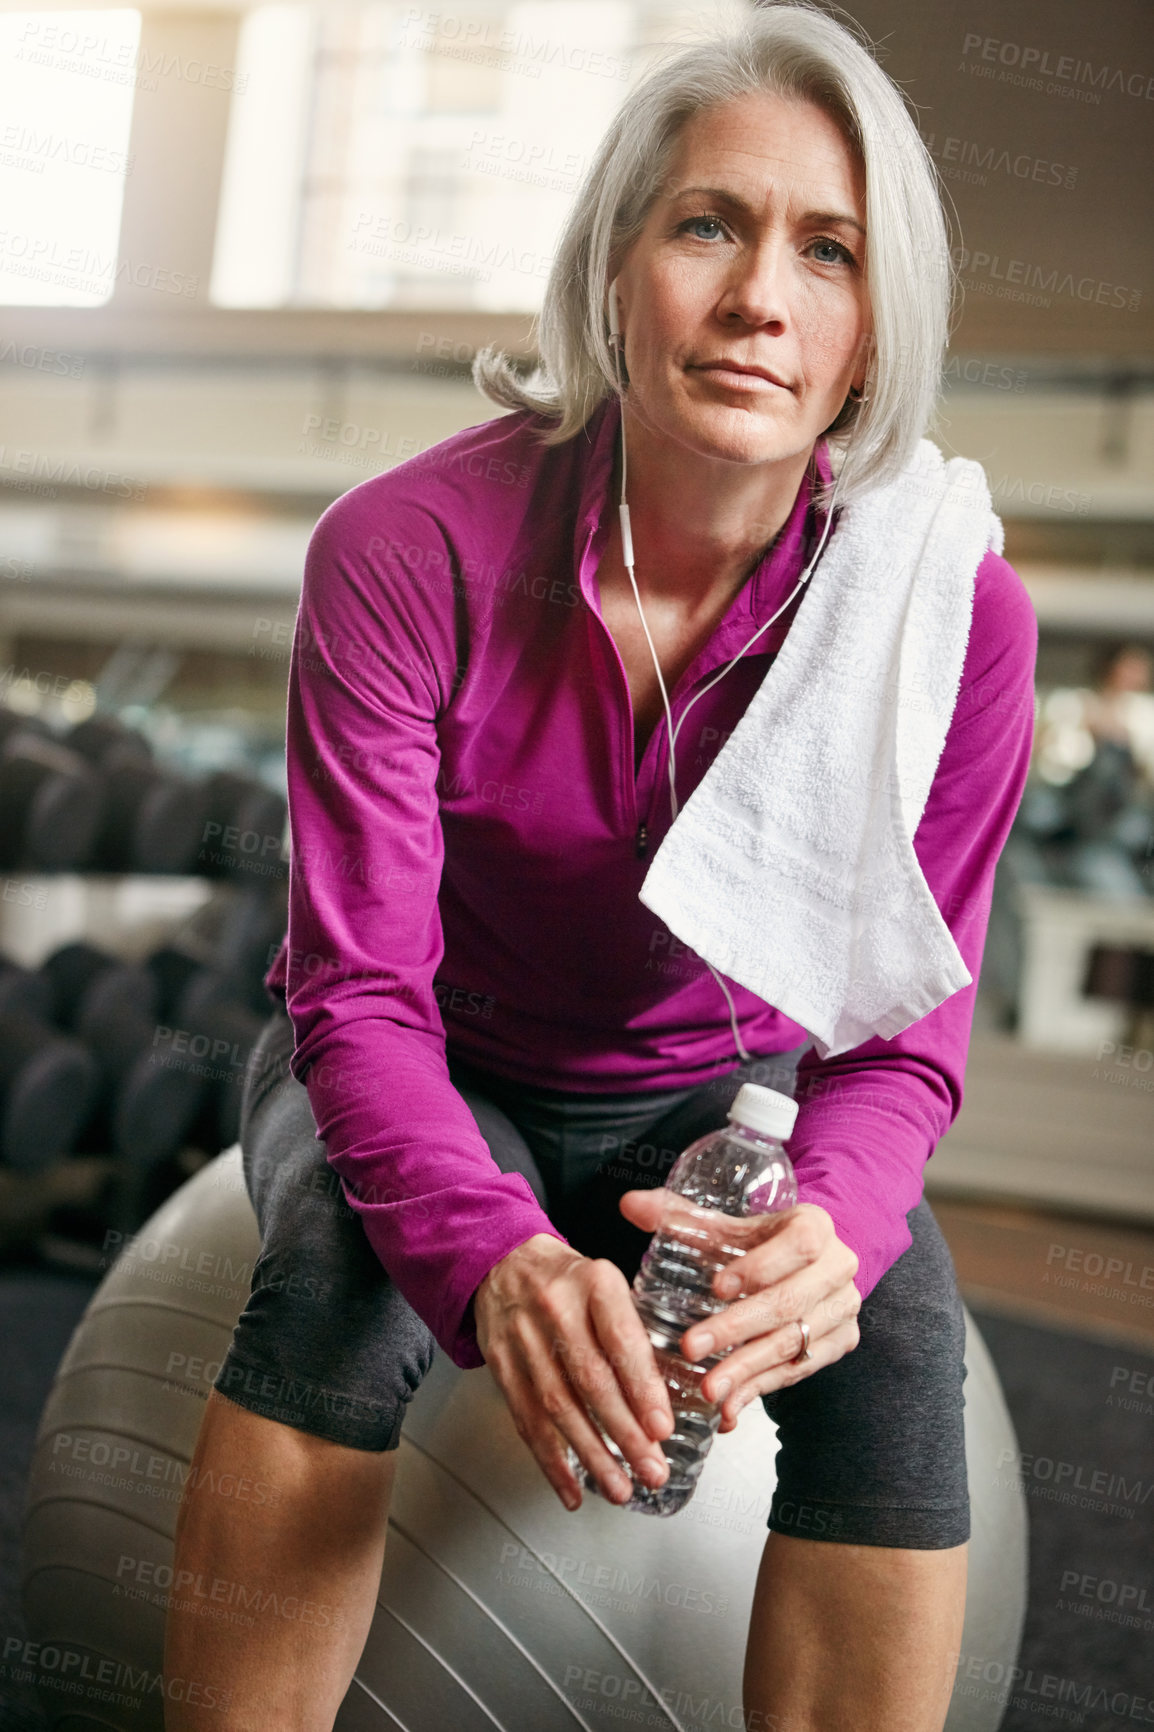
(491, 1033)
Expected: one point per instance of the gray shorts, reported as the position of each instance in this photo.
(871, 1450)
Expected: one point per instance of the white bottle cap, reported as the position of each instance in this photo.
(764, 1110)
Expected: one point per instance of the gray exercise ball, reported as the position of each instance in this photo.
(496, 1606)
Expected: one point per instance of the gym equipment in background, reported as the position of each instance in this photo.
(48, 1084)
(212, 1011)
(495, 1605)
(134, 1071)
(89, 987)
(24, 991)
(95, 799)
(48, 1080)
(106, 741)
(244, 827)
(51, 801)
(154, 820)
(141, 1066)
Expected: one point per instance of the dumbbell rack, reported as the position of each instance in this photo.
(197, 942)
(129, 913)
(63, 1207)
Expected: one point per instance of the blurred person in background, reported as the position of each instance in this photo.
(1087, 820)
(1110, 801)
(1087, 816)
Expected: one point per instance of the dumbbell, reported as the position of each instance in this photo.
(154, 820)
(146, 1112)
(47, 1081)
(23, 992)
(226, 1032)
(11, 722)
(48, 1086)
(51, 802)
(173, 969)
(107, 742)
(140, 1108)
(112, 1006)
(155, 817)
(208, 1022)
(145, 1107)
(251, 933)
(244, 827)
(192, 996)
(148, 1103)
(236, 933)
(90, 988)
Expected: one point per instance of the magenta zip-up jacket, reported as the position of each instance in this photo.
(469, 839)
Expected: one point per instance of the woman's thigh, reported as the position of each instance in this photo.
(590, 1149)
(326, 1342)
(871, 1450)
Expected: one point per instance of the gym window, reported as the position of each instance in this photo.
(67, 81)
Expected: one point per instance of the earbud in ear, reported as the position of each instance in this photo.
(614, 321)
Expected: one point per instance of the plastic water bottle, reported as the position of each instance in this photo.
(721, 1179)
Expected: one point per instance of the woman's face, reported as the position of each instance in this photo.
(752, 256)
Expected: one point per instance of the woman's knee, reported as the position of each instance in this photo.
(326, 1342)
(239, 1437)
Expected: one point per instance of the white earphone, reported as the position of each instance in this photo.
(616, 343)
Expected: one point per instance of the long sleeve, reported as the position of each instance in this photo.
(870, 1119)
(375, 665)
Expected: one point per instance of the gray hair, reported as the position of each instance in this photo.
(793, 50)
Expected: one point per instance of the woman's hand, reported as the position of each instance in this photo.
(560, 1333)
(796, 1269)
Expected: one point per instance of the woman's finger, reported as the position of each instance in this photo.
(523, 1358)
(781, 1345)
(556, 1404)
(831, 1347)
(556, 1328)
(771, 1303)
(625, 1343)
(783, 1246)
(549, 1446)
(761, 1315)
(644, 1208)
(595, 1366)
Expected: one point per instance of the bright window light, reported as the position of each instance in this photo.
(66, 88)
(255, 257)
(386, 154)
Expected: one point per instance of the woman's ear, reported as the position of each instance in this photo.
(865, 357)
(616, 335)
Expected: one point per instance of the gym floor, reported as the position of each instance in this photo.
(1076, 1359)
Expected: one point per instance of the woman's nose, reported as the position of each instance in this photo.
(757, 290)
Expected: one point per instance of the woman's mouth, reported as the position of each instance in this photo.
(736, 377)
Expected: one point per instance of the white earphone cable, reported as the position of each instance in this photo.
(615, 343)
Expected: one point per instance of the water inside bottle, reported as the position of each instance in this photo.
(715, 1192)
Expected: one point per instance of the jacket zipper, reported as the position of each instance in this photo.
(641, 836)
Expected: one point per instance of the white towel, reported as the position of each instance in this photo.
(791, 867)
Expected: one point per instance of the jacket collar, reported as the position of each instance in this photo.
(778, 570)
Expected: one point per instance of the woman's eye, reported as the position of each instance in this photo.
(700, 222)
(829, 252)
